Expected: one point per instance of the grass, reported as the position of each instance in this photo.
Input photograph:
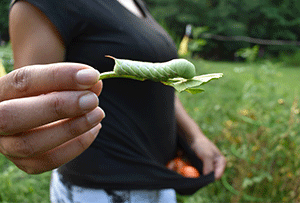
(5, 50)
(6, 57)
(252, 114)
(17, 186)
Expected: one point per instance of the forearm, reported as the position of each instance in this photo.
(212, 158)
(187, 127)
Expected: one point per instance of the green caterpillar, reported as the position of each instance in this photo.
(177, 73)
(155, 71)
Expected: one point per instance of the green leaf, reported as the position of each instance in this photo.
(194, 90)
(192, 85)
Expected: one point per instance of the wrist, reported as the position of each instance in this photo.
(197, 140)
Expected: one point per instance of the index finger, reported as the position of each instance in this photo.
(41, 79)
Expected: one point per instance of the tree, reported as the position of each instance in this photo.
(4, 10)
(176, 14)
(264, 19)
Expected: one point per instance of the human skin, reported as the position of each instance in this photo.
(32, 33)
(211, 156)
(49, 114)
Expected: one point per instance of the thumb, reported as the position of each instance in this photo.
(208, 166)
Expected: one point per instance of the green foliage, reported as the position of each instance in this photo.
(4, 9)
(291, 59)
(192, 85)
(6, 57)
(7, 62)
(253, 117)
(17, 186)
(249, 53)
(263, 19)
(177, 13)
(197, 43)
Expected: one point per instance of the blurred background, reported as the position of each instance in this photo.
(252, 113)
(234, 21)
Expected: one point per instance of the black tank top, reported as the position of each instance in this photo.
(138, 135)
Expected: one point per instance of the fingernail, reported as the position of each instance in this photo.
(88, 101)
(87, 77)
(96, 129)
(95, 116)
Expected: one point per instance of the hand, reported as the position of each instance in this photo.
(212, 158)
(49, 114)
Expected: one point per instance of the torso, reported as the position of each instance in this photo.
(139, 132)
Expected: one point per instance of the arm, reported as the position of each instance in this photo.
(49, 114)
(35, 40)
(33, 37)
(212, 158)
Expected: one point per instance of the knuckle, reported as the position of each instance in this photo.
(54, 74)
(74, 128)
(78, 126)
(21, 80)
(17, 147)
(83, 143)
(5, 118)
(23, 148)
(58, 105)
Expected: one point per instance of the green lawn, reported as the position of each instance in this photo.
(251, 113)
(17, 186)
(286, 77)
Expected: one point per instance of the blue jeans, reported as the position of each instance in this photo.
(63, 193)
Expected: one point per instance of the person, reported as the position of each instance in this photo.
(139, 133)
